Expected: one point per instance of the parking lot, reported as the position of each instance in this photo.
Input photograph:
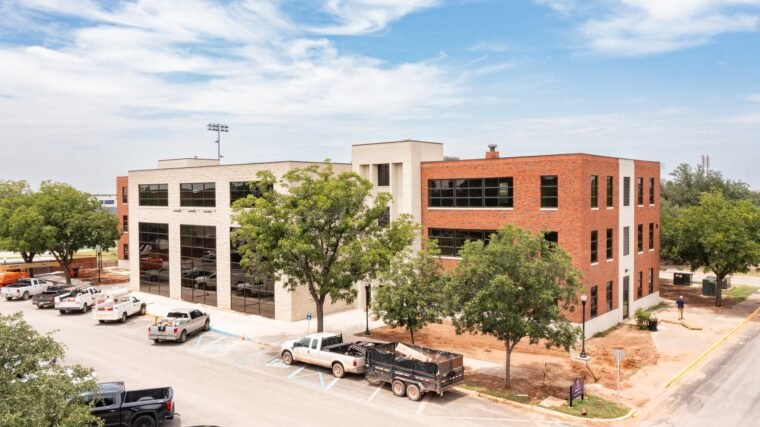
(225, 381)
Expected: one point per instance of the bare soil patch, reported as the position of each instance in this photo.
(106, 277)
(692, 296)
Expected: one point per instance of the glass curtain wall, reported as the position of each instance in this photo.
(154, 258)
(198, 251)
(248, 294)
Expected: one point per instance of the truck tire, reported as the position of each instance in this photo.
(183, 336)
(156, 340)
(142, 310)
(62, 311)
(123, 317)
(413, 392)
(207, 325)
(398, 388)
(101, 321)
(25, 296)
(338, 370)
(287, 357)
(144, 421)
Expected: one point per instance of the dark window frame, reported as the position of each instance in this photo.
(626, 191)
(651, 235)
(651, 191)
(125, 250)
(383, 174)
(651, 280)
(610, 295)
(640, 238)
(197, 194)
(451, 241)
(593, 302)
(594, 246)
(473, 193)
(626, 240)
(610, 241)
(124, 195)
(153, 195)
(640, 286)
(610, 191)
(153, 239)
(594, 191)
(242, 189)
(125, 223)
(549, 192)
(552, 237)
(640, 191)
(198, 258)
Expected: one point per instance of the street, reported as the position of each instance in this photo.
(224, 381)
(723, 391)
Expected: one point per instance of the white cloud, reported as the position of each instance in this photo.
(644, 27)
(488, 47)
(754, 97)
(367, 16)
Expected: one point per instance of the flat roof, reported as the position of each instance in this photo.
(239, 164)
(397, 142)
(543, 155)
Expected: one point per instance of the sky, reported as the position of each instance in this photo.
(92, 89)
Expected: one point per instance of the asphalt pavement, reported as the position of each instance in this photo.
(225, 381)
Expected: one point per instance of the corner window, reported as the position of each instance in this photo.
(610, 186)
(201, 194)
(153, 195)
(383, 175)
(549, 191)
(594, 191)
(124, 195)
(594, 246)
(593, 301)
(651, 191)
(610, 249)
(627, 191)
(640, 191)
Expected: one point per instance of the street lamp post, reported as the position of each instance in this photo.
(368, 295)
(583, 347)
(218, 128)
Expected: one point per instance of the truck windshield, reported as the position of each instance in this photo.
(176, 315)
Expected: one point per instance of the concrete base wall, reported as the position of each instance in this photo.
(645, 302)
(602, 323)
(123, 264)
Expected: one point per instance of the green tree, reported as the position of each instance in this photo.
(517, 286)
(321, 232)
(74, 221)
(13, 188)
(720, 234)
(688, 183)
(22, 226)
(412, 291)
(35, 389)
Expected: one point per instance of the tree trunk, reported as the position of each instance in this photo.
(719, 289)
(66, 271)
(411, 333)
(28, 258)
(508, 376)
(320, 314)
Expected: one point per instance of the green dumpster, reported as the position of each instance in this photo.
(683, 279)
(708, 286)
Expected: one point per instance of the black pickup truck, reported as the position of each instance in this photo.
(47, 298)
(138, 408)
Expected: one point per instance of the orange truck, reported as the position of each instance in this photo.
(11, 277)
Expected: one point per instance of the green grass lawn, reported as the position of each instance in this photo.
(739, 293)
(498, 393)
(595, 407)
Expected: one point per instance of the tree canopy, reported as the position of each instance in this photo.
(517, 286)
(720, 234)
(411, 294)
(22, 227)
(35, 389)
(687, 183)
(321, 232)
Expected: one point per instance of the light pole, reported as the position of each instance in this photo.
(218, 128)
(368, 295)
(583, 347)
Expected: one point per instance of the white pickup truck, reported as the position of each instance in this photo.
(79, 299)
(112, 307)
(327, 350)
(25, 289)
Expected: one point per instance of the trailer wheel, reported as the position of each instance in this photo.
(144, 421)
(123, 317)
(62, 311)
(338, 370)
(156, 340)
(398, 388)
(413, 392)
(101, 321)
(287, 358)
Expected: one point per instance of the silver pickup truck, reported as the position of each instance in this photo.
(178, 324)
(326, 350)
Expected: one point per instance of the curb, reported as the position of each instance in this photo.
(712, 348)
(545, 411)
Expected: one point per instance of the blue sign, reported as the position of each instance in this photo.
(577, 390)
(308, 316)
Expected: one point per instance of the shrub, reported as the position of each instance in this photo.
(642, 318)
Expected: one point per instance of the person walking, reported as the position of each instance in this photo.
(680, 304)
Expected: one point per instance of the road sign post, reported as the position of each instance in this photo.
(618, 353)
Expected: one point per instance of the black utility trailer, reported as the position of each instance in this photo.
(413, 370)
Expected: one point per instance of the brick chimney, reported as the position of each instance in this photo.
(492, 153)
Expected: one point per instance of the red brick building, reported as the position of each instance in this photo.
(122, 213)
(587, 203)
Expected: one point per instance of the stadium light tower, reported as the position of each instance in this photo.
(218, 128)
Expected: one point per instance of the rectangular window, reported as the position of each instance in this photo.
(651, 280)
(552, 237)
(471, 193)
(593, 301)
(609, 296)
(124, 195)
(651, 191)
(154, 258)
(451, 241)
(594, 191)
(125, 223)
(383, 175)
(610, 248)
(549, 191)
(199, 194)
(125, 248)
(198, 263)
(640, 191)
(651, 235)
(626, 240)
(153, 195)
(594, 246)
(610, 191)
(251, 293)
(640, 287)
(627, 191)
(640, 238)
(242, 189)
(385, 218)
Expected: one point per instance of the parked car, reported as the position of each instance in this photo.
(255, 288)
(158, 275)
(117, 306)
(24, 289)
(137, 408)
(192, 273)
(11, 277)
(79, 299)
(206, 282)
(327, 350)
(47, 298)
(179, 324)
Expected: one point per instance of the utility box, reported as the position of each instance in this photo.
(726, 283)
(708, 286)
(683, 279)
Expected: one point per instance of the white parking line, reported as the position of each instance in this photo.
(423, 404)
(377, 390)
(297, 371)
(335, 380)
